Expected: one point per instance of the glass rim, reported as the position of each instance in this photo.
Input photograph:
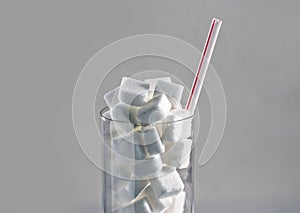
(105, 109)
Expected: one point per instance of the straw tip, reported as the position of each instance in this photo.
(217, 20)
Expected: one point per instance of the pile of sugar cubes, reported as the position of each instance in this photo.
(153, 130)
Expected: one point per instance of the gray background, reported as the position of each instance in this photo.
(45, 44)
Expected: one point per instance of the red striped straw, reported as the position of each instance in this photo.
(203, 64)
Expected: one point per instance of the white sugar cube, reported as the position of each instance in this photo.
(172, 90)
(152, 83)
(168, 145)
(155, 148)
(167, 185)
(122, 197)
(178, 153)
(126, 147)
(149, 137)
(140, 206)
(185, 164)
(154, 110)
(157, 204)
(121, 114)
(147, 134)
(133, 92)
(111, 97)
(116, 179)
(129, 191)
(139, 186)
(177, 125)
(178, 204)
(147, 168)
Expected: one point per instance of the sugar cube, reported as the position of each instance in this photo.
(127, 148)
(133, 92)
(111, 97)
(172, 90)
(149, 137)
(158, 204)
(178, 204)
(121, 114)
(147, 168)
(178, 153)
(177, 125)
(185, 164)
(140, 206)
(152, 83)
(167, 185)
(130, 191)
(154, 110)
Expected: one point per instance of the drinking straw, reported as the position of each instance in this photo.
(203, 64)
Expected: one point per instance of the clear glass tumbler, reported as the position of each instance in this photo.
(135, 183)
